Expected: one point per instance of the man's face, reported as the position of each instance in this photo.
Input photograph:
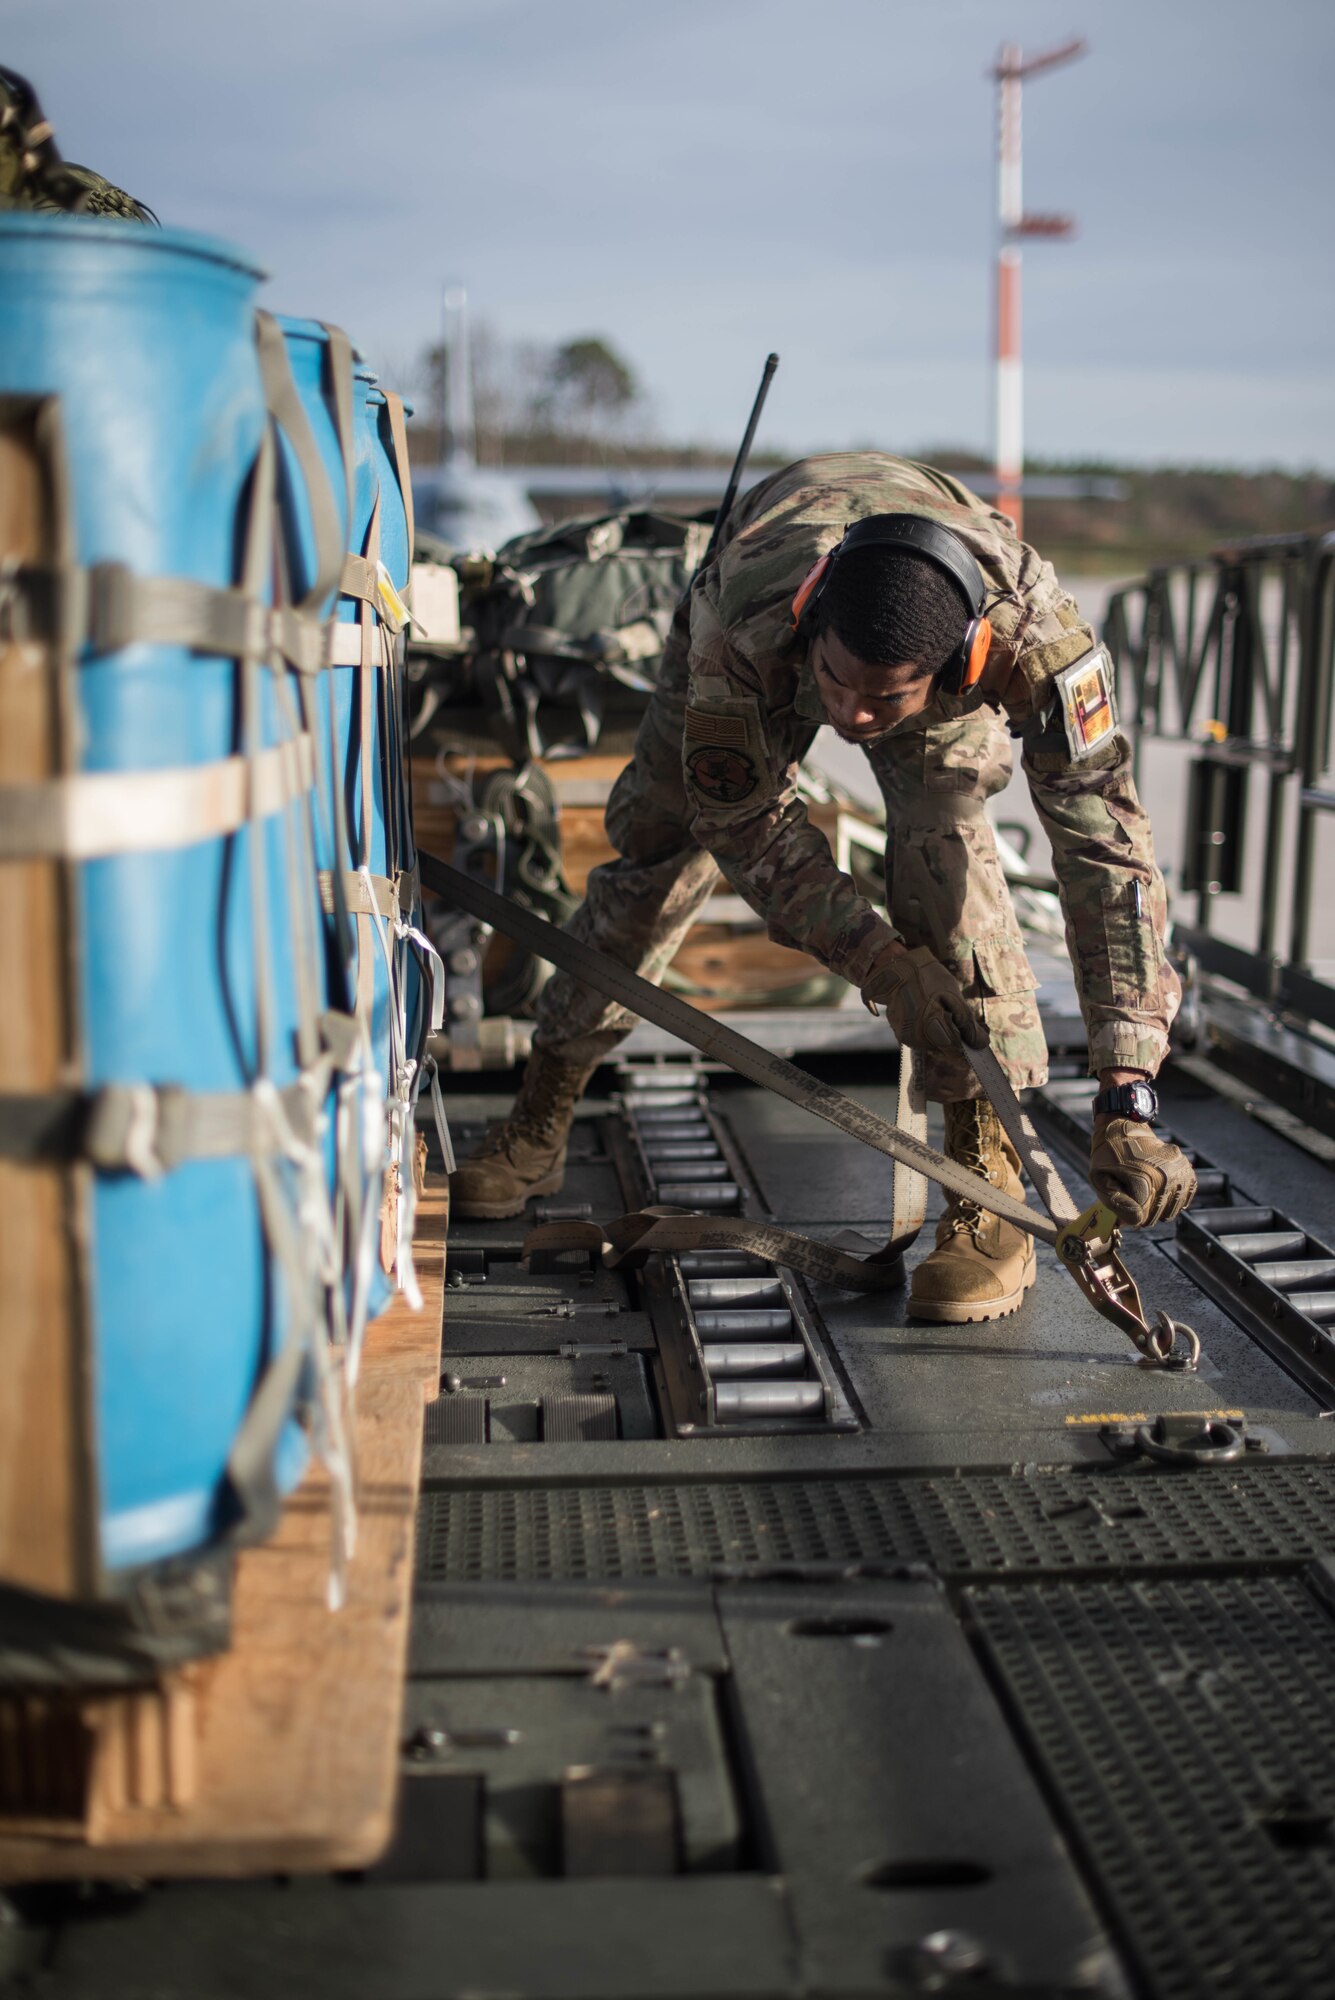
(865, 702)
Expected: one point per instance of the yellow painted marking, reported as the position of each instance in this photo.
(1148, 1416)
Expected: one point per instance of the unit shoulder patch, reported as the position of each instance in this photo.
(1087, 702)
(721, 775)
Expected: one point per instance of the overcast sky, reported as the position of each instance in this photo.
(701, 180)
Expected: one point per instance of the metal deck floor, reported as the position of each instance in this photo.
(923, 1707)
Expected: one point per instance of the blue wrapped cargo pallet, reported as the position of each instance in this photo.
(206, 1011)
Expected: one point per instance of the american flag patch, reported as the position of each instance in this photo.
(708, 725)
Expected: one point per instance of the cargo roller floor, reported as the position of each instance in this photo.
(968, 1693)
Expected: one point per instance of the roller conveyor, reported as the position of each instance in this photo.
(720, 1314)
(768, 1399)
(1259, 1244)
(698, 1166)
(699, 1194)
(742, 1323)
(758, 1358)
(757, 1291)
(720, 1264)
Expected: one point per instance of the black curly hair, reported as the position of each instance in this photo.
(890, 607)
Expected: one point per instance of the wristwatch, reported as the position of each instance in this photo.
(1128, 1100)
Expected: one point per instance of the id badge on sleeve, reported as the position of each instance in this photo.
(1088, 704)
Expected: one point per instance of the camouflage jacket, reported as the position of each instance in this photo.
(752, 697)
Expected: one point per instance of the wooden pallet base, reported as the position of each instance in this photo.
(282, 1754)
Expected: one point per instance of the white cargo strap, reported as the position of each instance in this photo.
(306, 1253)
(431, 1071)
(402, 1126)
(435, 971)
(399, 1105)
(94, 814)
(345, 645)
(418, 941)
(361, 1139)
(909, 1196)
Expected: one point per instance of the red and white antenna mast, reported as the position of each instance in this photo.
(1013, 225)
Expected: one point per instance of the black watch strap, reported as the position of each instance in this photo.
(1137, 1100)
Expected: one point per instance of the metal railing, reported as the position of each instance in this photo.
(1235, 655)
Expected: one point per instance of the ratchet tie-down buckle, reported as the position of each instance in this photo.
(1088, 1248)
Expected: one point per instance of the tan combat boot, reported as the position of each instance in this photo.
(527, 1154)
(981, 1266)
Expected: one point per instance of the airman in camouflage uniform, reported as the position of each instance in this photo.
(712, 786)
(34, 175)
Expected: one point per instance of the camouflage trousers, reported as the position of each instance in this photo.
(945, 886)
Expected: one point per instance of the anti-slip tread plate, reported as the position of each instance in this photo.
(1182, 1727)
(976, 1524)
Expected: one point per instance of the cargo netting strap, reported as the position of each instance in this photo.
(368, 895)
(364, 647)
(420, 1067)
(370, 656)
(286, 408)
(360, 1115)
(95, 814)
(150, 1129)
(398, 435)
(292, 1185)
(108, 606)
(407, 1077)
(383, 905)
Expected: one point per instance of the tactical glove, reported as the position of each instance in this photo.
(923, 1004)
(1143, 1178)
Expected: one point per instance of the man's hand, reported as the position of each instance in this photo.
(923, 1004)
(1144, 1179)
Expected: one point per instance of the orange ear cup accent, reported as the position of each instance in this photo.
(978, 652)
(810, 583)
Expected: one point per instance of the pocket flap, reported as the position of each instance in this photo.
(1002, 964)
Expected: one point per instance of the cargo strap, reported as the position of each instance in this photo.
(628, 1241)
(1038, 1162)
(398, 437)
(292, 1183)
(383, 905)
(93, 814)
(151, 1129)
(109, 606)
(359, 578)
(721, 1043)
(370, 895)
(625, 1243)
(909, 1197)
(407, 1071)
(286, 408)
(1086, 1244)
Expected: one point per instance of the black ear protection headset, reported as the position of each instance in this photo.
(937, 545)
